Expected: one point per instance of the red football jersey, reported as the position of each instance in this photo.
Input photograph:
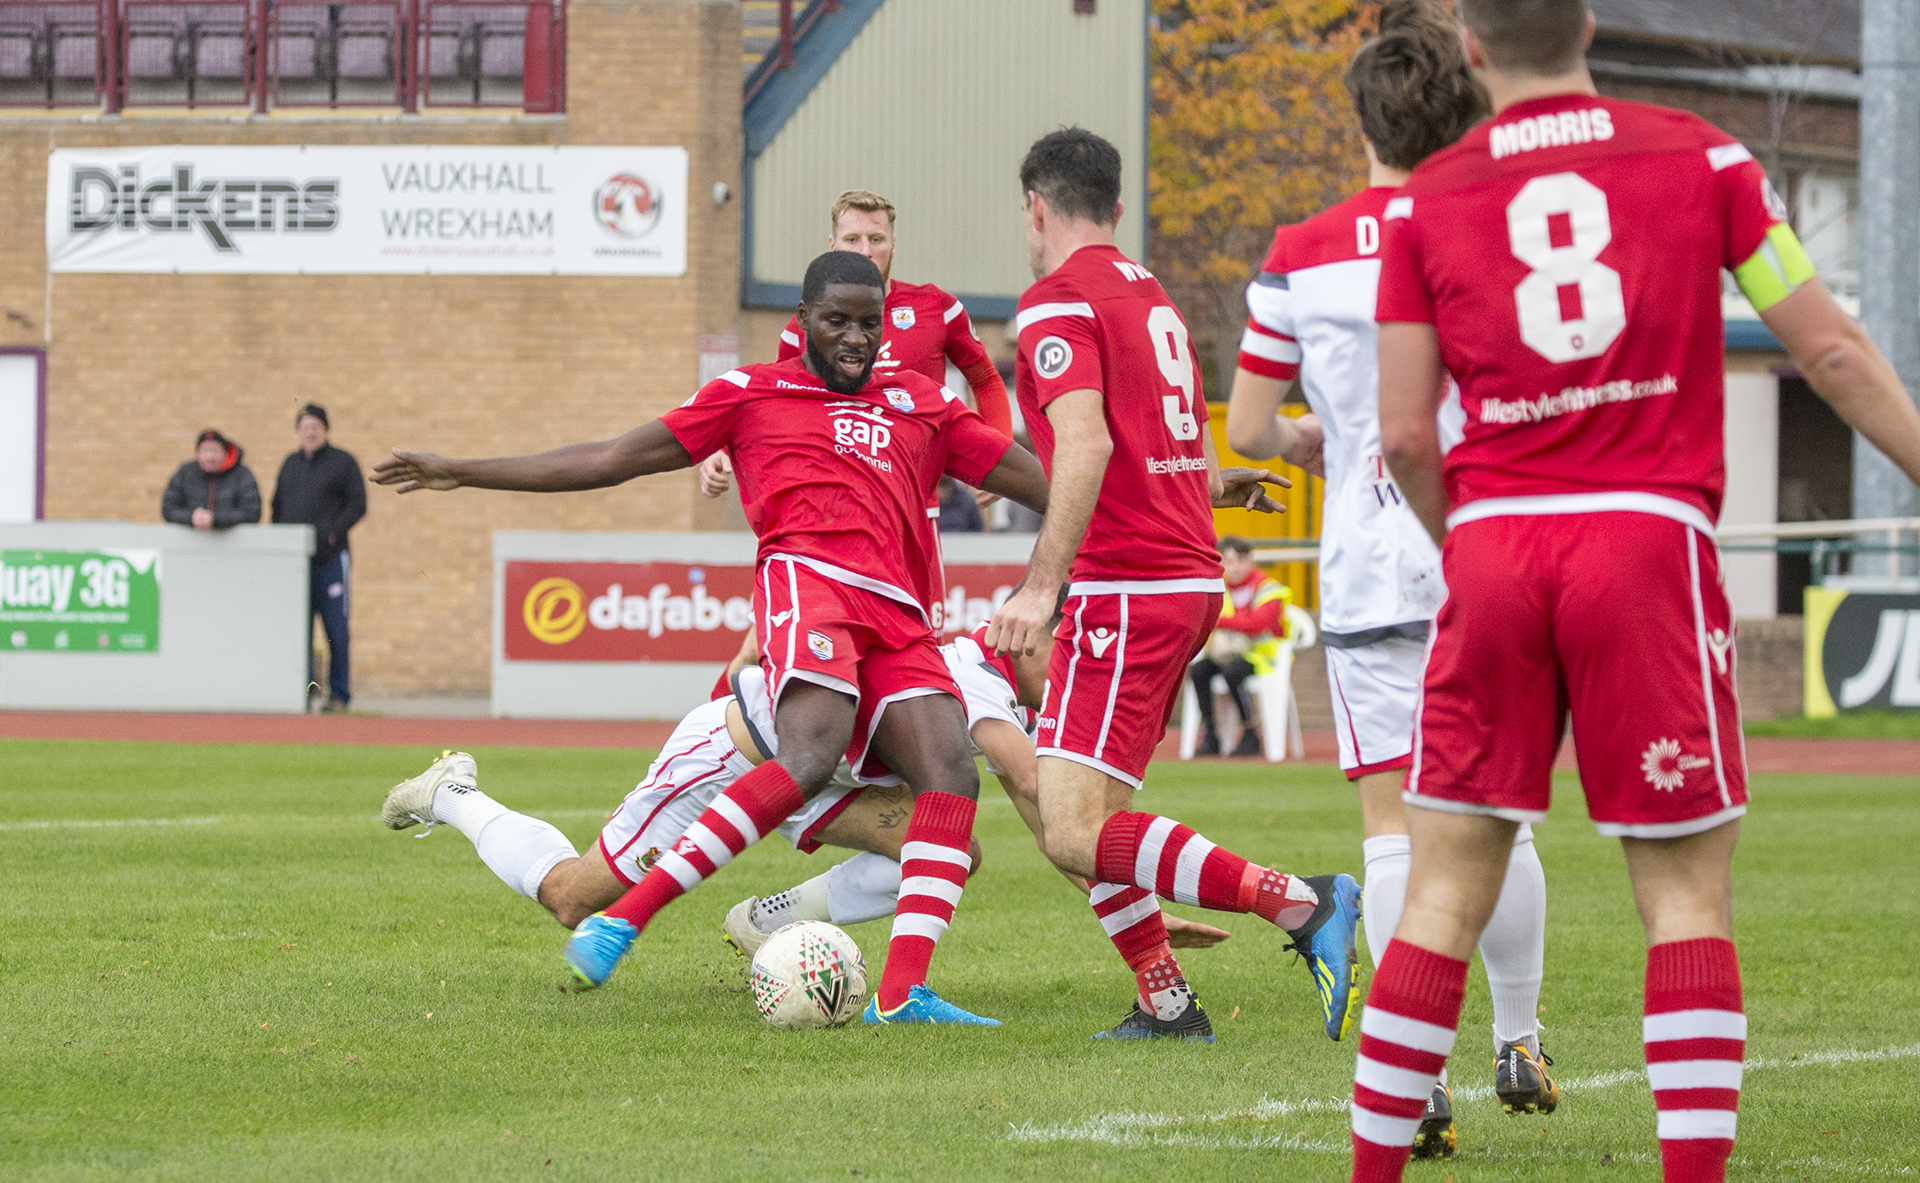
(841, 481)
(1568, 253)
(1103, 322)
(925, 329)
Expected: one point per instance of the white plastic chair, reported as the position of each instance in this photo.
(1273, 698)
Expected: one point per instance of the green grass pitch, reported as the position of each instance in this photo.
(276, 987)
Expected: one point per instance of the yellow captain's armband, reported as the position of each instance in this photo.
(1775, 270)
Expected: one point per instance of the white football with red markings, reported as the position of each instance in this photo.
(809, 974)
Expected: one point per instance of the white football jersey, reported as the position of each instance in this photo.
(1311, 314)
(984, 690)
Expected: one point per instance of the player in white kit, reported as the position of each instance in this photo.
(1312, 319)
(716, 744)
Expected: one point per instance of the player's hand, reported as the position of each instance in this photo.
(716, 474)
(1020, 624)
(416, 470)
(1309, 447)
(984, 499)
(1244, 488)
(1191, 934)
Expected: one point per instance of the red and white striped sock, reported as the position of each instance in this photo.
(754, 806)
(1163, 856)
(1696, 1035)
(1131, 916)
(933, 871)
(1406, 1034)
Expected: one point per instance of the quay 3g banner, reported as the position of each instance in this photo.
(398, 210)
(80, 601)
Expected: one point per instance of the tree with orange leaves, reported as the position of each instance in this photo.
(1251, 128)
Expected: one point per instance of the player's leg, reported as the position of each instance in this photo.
(1236, 673)
(520, 849)
(1696, 1025)
(1202, 673)
(864, 887)
(815, 724)
(1490, 718)
(924, 740)
(576, 888)
(1111, 689)
(1657, 732)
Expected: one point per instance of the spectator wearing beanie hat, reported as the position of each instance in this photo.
(214, 490)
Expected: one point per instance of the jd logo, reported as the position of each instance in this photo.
(1892, 667)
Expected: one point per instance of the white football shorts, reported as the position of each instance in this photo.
(1376, 694)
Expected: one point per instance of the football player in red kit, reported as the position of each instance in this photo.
(1562, 262)
(1111, 396)
(925, 328)
(836, 466)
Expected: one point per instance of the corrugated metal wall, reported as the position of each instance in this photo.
(933, 105)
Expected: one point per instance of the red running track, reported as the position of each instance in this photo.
(1851, 757)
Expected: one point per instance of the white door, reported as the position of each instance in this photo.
(19, 436)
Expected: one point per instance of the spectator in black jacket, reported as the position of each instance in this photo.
(321, 486)
(213, 490)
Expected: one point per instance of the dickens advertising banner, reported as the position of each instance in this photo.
(80, 601)
(593, 611)
(421, 209)
(1863, 652)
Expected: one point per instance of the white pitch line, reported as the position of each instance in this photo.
(294, 818)
(97, 823)
(1159, 1129)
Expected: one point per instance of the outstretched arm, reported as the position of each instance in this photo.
(1257, 430)
(1019, 477)
(647, 449)
(1844, 367)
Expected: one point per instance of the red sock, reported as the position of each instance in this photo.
(737, 819)
(1133, 922)
(1165, 857)
(1406, 1034)
(1696, 1036)
(933, 870)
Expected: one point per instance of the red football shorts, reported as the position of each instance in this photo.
(1119, 659)
(858, 642)
(1617, 618)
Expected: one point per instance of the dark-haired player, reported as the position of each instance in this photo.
(835, 471)
(1111, 396)
(925, 328)
(1562, 262)
(1311, 317)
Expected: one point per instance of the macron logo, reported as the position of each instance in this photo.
(1558, 130)
(1100, 640)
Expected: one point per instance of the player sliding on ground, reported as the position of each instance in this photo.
(716, 744)
(835, 470)
(1562, 262)
(1109, 391)
(1312, 317)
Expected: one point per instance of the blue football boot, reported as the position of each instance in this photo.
(1326, 941)
(596, 947)
(924, 1006)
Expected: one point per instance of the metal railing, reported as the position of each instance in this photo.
(264, 54)
(792, 29)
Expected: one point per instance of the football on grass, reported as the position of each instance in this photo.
(809, 974)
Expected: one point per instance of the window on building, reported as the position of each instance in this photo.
(263, 54)
(1825, 216)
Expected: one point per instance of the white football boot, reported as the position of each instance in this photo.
(738, 930)
(410, 802)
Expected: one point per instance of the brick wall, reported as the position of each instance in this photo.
(471, 365)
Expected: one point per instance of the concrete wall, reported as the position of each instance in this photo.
(934, 104)
(1753, 489)
(480, 365)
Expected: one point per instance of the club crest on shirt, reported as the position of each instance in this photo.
(820, 645)
(897, 398)
(903, 318)
(1052, 357)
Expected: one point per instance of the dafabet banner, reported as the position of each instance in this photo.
(330, 209)
(600, 611)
